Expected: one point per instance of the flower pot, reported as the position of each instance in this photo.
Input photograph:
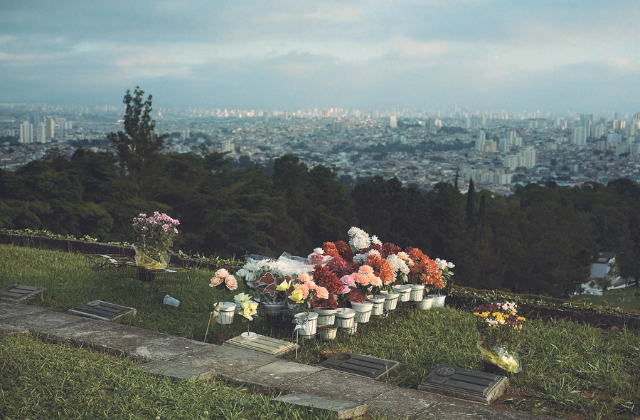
(352, 329)
(328, 332)
(439, 301)
(227, 310)
(417, 292)
(326, 316)
(307, 325)
(345, 318)
(151, 258)
(363, 311)
(499, 356)
(378, 304)
(404, 291)
(391, 301)
(426, 303)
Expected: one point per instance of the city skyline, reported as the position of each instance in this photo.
(553, 56)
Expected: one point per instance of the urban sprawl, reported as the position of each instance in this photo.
(498, 150)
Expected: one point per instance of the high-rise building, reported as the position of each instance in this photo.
(41, 133)
(528, 157)
(393, 121)
(480, 141)
(578, 136)
(26, 133)
(503, 145)
(50, 128)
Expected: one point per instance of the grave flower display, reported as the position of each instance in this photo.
(498, 334)
(153, 239)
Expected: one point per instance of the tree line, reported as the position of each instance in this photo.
(541, 239)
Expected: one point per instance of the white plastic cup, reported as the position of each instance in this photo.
(168, 300)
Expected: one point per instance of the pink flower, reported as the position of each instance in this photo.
(215, 281)
(322, 293)
(304, 277)
(366, 269)
(222, 273)
(375, 281)
(311, 285)
(349, 281)
(345, 289)
(231, 282)
(175, 230)
(304, 289)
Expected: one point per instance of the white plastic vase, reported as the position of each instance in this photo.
(363, 311)
(378, 304)
(391, 301)
(417, 292)
(326, 316)
(307, 329)
(426, 303)
(227, 310)
(405, 293)
(439, 301)
(328, 333)
(345, 318)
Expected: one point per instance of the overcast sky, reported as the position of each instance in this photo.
(553, 55)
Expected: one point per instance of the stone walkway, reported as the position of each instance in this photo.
(185, 359)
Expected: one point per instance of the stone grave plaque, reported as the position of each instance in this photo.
(18, 292)
(465, 383)
(357, 364)
(263, 344)
(102, 310)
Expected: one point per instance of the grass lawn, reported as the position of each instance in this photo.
(569, 370)
(627, 299)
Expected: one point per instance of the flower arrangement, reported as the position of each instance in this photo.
(445, 272)
(498, 330)
(424, 270)
(153, 239)
(303, 290)
(223, 278)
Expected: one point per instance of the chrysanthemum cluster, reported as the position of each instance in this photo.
(154, 232)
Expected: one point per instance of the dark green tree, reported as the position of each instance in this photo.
(138, 146)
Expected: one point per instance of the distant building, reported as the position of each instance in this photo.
(393, 121)
(26, 133)
(480, 141)
(578, 136)
(41, 133)
(50, 126)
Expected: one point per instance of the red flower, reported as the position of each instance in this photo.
(341, 268)
(381, 268)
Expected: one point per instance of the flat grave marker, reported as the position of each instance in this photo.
(357, 364)
(263, 344)
(465, 383)
(18, 292)
(102, 310)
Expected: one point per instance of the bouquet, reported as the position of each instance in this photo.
(445, 272)
(153, 239)
(498, 334)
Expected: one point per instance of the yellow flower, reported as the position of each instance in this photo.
(249, 308)
(283, 287)
(297, 296)
(476, 313)
(520, 318)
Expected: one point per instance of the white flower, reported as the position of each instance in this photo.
(241, 297)
(319, 251)
(397, 264)
(375, 240)
(359, 239)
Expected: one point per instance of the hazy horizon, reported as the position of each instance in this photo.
(547, 55)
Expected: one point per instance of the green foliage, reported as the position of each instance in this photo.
(138, 146)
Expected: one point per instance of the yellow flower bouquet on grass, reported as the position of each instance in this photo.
(499, 327)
